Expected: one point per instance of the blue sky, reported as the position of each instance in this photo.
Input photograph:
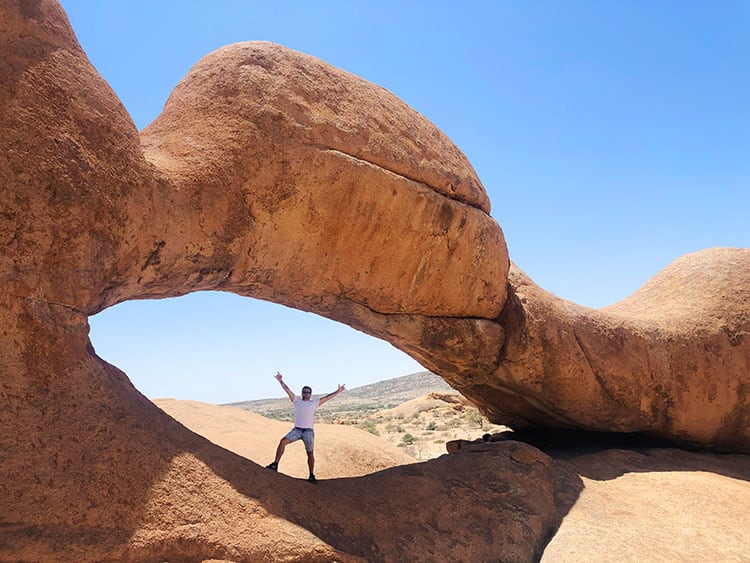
(612, 138)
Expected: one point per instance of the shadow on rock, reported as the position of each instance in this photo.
(504, 503)
(608, 455)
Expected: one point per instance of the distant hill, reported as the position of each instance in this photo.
(368, 398)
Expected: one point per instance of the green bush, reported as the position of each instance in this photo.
(475, 418)
(370, 426)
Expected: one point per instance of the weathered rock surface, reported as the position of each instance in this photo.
(672, 360)
(273, 175)
(298, 182)
(638, 502)
(91, 470)
(655, 504)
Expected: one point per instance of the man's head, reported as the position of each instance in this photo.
(306, 393)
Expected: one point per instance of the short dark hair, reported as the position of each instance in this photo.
(307, 388)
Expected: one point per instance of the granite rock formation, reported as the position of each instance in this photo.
(271, 174)
(671, 361)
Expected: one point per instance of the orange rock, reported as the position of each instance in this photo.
(672, 360)
(274, 175)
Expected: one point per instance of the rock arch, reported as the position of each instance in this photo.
(274, 175)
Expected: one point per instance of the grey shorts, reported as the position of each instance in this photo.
(305, 434)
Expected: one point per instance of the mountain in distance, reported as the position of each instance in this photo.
(384, 394)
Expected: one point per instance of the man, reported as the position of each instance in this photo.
(304, 413)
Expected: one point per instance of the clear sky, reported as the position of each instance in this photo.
(612, 138)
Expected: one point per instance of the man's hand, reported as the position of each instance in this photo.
(332, 394)
(288, 391)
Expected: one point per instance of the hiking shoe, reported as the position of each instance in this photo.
(312, 478)
(273, 466)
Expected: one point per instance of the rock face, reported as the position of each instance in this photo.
(271, 174)
(672, 360)
(281, 173)
(655, 504)
(638, 502)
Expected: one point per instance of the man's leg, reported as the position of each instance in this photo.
(279, 452)
(308, 436)
(311, 462)
(311, 465)
(280, 449)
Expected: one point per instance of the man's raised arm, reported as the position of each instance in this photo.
(280, 379)
(326, 398)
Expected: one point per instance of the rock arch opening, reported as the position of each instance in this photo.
(222, 348)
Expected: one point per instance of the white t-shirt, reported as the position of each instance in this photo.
(304, 412)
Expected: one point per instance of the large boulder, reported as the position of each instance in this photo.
(672, 360)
